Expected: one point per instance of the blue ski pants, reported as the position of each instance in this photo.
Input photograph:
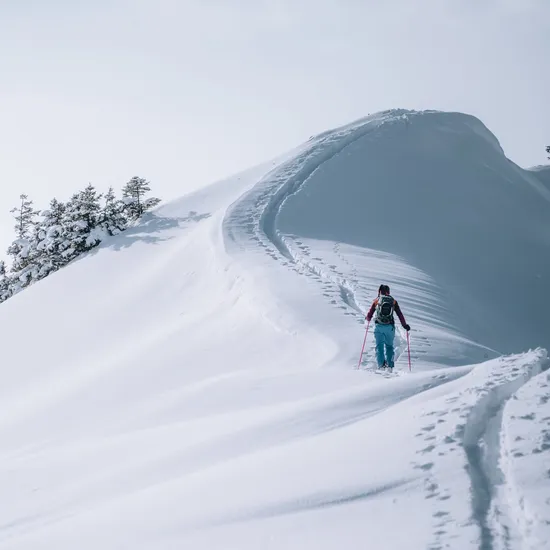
(384, 336)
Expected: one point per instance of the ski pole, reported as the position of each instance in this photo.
(409, 350)
(363, 348)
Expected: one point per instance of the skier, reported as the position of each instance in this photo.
(384, 330)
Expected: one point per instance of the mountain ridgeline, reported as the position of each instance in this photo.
(437, 190)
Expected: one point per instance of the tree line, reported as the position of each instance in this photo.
(49, 239)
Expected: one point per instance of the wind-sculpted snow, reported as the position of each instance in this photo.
(260, 216)
(436, 190)
(193, 383)
(525, 462)
(542, 173)
(458, 446)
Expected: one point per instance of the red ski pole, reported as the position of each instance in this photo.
(363, 348)
(409, 350)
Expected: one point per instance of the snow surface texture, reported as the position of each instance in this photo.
(526, 460)
(437, 190)
(542, 173)
(193, 382)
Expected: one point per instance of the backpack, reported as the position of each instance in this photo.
(384, 310)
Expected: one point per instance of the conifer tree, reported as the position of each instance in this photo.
(22, 251)
(64, 231)
(134, 197)
(113, 218)
(80, 223)
(25, 217)
(4, 282)
(50, 237)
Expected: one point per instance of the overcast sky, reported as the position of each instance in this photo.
(184, 92)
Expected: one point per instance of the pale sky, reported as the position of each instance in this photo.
(187, 92)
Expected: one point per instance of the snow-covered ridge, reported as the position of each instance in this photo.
(192, 383)
(456, 208)
(436, 190)
(542, 173)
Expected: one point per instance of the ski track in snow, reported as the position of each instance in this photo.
(477, 411)
(208, 425)
(250, 226)
(257, 212)
(525, 464)
(254, 217)
(471, 421)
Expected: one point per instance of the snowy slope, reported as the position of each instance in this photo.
(193, 382)
(460, 211)
(542, 173)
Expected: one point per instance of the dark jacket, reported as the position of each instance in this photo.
(397, 310)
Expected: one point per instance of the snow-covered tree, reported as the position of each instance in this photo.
(548, 150)
(47, 241)
(25, 217)
(22, 251)
(113, 216)
(133, 194)
(4, 282)
(80, 222)
(25, 264)
(50, 238)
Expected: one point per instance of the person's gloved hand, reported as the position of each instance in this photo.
(407, 327)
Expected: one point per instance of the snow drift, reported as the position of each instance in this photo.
(437, 190)
(192, 382)
(542, 173)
